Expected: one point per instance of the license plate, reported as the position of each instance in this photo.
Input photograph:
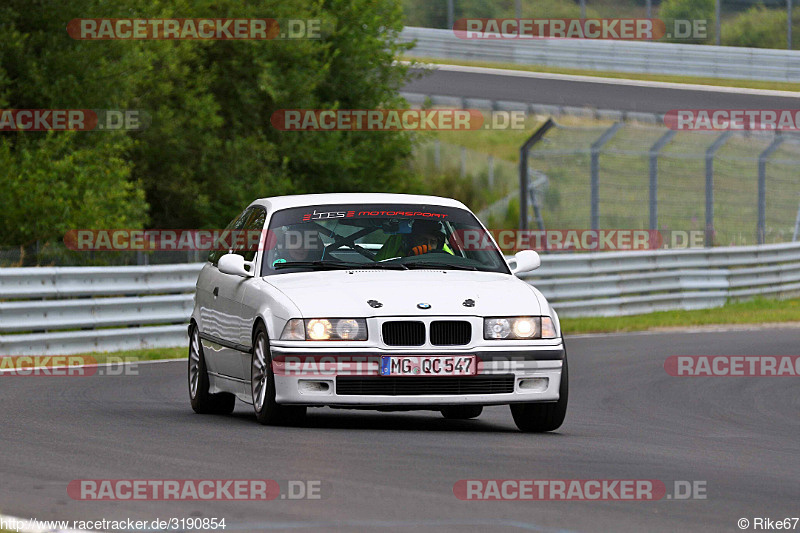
(460, 365)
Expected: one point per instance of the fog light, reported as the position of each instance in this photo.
(315, 387)
(534, 384)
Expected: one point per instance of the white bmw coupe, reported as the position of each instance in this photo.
(372, 301)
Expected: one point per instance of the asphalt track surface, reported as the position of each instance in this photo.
(627, 419)
(586, 91)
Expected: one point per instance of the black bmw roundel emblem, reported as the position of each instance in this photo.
(424, 305)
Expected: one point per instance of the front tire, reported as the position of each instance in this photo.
(202, 402)
(262, 387)
(541, 417)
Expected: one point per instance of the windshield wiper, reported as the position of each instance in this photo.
(338, 265)
(439, 264)
(378, 265)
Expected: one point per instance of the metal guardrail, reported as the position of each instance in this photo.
(624, 283)
(620, 56)
(67, 310)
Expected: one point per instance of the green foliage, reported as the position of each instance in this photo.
(210, 148)
(759, 27)
(689, 10)
(450, 184)
(57, 184)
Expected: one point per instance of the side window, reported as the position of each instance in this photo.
(236, 223)
(252, 234)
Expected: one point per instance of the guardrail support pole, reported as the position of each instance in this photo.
(595, 172)
(712, 150)
(523, 170)
(761, 232)
(654, 150)
(796, 225)
(450, 14)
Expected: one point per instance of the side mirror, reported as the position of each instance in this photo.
(525, 261)
(233, 264)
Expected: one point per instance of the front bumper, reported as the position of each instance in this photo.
(350, 377)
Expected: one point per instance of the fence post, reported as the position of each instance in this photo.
(710, 152)
(762, 188)
(796, 225)
(523, 170)
(654, 150)
(450, 14)
(463, 171)
(537, 211)
(595, 172)
(491, 172)
(437, 154)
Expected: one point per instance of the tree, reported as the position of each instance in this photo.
(55, 181)
(759, 27)
(210, 148)
(688, 10)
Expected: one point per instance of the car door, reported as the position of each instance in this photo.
(245, 314)
(219, 322)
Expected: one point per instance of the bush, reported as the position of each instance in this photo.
(672, 10)
(758, 27)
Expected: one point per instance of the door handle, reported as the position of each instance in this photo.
(216, 291)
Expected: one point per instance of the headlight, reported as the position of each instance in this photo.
(325, 329)
(516, 328)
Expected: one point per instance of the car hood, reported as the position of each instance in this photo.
(345, 293)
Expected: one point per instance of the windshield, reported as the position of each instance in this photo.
(400, 237)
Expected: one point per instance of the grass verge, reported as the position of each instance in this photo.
(718, 82)
(757, 311)
(150, 354)
(125, 356)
